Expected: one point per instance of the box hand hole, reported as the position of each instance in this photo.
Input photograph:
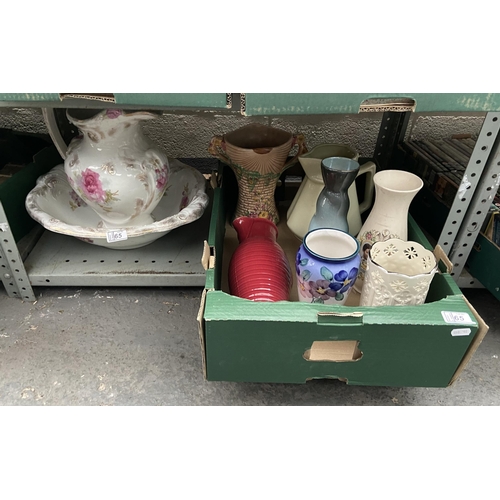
(354, 318)
(334, 351)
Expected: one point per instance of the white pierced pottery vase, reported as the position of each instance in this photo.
(114, 168)
(398, 273)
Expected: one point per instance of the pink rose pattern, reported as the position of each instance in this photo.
(161, 177)
(184, 199)
(113, 113)
(75, 201)
(184, 203)
(90, 184)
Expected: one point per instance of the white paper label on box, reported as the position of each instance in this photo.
(116, 235)
(456, 317)
(4, 226)
(460, 332)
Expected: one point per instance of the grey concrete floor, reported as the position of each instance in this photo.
(140, 346)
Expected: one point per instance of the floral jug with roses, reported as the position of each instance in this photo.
(114, 168)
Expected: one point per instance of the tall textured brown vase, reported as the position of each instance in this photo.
(257, 154)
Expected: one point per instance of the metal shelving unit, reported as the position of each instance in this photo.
(175, 259)
(172, 260)
(474, 197)
(13, 273)
(44, 258)
(60, 260)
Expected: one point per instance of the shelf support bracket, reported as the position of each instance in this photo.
(482, 196)
(475, 195)
(392, 132)
(12, 271)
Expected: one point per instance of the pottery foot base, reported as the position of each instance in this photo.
(142, 220)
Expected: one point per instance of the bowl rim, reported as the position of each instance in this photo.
(431, 272)
(345, 234)
(189, 214)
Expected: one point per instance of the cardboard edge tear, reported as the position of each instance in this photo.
(90, 97)
(208, 256)
(384, 104)
(441, 256)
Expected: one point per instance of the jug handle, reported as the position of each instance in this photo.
(217, 148)
(370, 169)
(300, 141)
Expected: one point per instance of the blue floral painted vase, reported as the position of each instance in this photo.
(327, 265)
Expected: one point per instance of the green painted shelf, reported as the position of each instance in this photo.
(310, 104)
(268, 104)
(174, 101)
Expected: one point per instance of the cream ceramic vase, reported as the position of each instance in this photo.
(399, 273)
(303, 206)
(394, 192)
(114, 168)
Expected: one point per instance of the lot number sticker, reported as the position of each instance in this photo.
(118, 235)
(457, 318)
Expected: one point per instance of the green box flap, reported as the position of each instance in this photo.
(317, 103)
(166, 100)
(174, 100)
(26, 98)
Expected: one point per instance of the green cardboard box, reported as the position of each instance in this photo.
(293, 342)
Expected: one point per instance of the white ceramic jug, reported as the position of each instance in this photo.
(114, 168)
(303, 206)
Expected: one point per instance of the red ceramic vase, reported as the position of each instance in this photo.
(259, 269)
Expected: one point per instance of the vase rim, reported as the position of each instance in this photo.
(399, 241)
(417, 182)
(272, 138)
(395, 273)
(344, 234)
(347, 164)
(246, 219)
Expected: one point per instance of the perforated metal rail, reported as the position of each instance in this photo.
(474, 196)
(12, 271)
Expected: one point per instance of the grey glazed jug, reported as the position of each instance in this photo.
(333, 201)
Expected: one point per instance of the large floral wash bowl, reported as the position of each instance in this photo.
(55, 205)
